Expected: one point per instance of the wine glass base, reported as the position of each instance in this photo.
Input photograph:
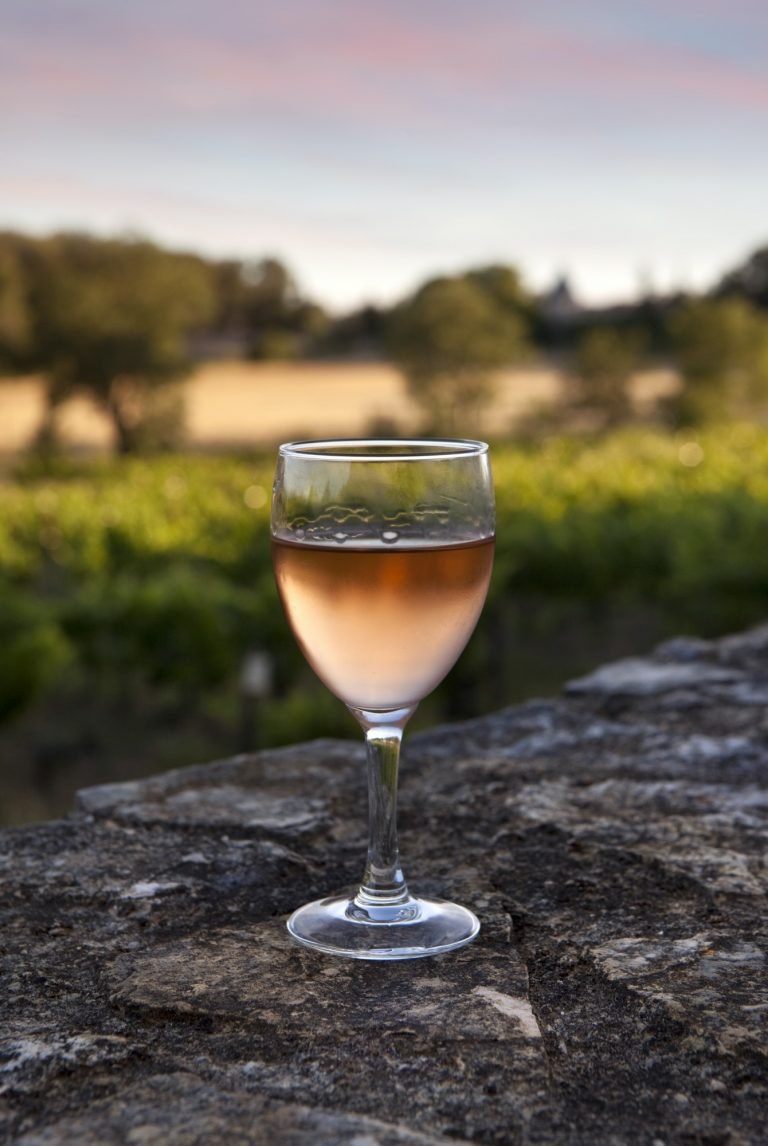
(421, 927)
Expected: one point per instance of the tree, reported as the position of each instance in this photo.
(603, 364)
(360, 334)
(448, 339)
(750, 280)
(15, 314)
(504, 285)
(112, 320)
(260, 303)
(721, 348)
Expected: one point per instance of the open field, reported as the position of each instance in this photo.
(246, 404)
(242, 404)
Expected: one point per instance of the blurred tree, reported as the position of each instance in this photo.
(721, 348)
(504, 285)
(271, 290)
(15, 315)
(448, 339)
(600, 371)
(229, 290)
(35, 652)
(361, 334)
(749, 280)
(260, 303)
(112, 318)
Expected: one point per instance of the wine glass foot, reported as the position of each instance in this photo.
(421, 927)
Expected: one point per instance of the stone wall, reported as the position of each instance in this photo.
(612, 842)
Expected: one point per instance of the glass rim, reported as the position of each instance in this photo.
(421, 449)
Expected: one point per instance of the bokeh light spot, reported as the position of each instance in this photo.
(175, 487)
(255, 497)
(690, 454)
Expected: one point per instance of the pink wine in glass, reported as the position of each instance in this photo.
(381, 625)
(382, 555)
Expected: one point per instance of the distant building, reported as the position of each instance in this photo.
(564, 317)
(559, 306)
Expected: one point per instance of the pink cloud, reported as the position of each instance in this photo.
(374, 65)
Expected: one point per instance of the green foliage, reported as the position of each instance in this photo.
(15, 311)
(112, 319)
(603, 364)
(160, 423)
(750, 280)
(721, 348)
(504, 286)
(360, 334)
(34, 653)
(136, 516)
(304, 714)
(448, 339)
(277, 345)
(182, 626)
(260, 302)
(641, 513)
(115, 319)
(153, 570)
(160, 570)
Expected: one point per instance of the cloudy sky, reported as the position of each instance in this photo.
(372, 143)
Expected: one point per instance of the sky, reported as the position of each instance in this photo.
(370, 145)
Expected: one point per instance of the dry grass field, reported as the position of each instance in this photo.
(246, 404)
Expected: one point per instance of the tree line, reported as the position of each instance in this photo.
(121, 320)
(455, 333)
(117, 319)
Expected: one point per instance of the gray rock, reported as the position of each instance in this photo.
(182, 1109)
(642, 676)
(612, 842)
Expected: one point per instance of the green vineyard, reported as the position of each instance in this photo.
(143, 577)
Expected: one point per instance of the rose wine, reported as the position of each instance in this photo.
(381, 626)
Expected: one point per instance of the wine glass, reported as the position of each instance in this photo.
(382, 553)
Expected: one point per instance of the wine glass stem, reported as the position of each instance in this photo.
(383, 882)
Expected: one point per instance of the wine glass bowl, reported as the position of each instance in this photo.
(382, 555)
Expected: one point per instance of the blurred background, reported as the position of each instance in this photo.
(223, 226)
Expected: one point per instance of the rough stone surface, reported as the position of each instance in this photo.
(613, 843)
